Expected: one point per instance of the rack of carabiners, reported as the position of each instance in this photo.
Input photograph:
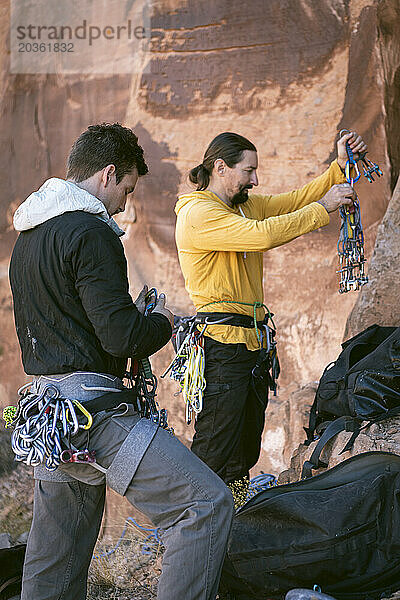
(43, 424)
(187, 368)
(351, 238)
(141, 377)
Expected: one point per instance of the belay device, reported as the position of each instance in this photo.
(351, 238)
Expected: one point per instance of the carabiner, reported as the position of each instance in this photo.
(267, 337)
(152, 293)
(86, 413)
(71, 410)
(66, 455)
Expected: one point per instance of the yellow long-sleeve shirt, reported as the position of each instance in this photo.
(212, 238)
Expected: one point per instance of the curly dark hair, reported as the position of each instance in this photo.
(102, 145)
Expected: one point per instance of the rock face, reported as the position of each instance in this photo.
(384, 436)
(379, 301)
(284, 431)
(287, 75)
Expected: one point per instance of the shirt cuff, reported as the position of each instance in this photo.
(339, 175)
(321, 214)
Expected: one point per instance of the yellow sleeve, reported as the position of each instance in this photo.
(288, 202)
(213, 227)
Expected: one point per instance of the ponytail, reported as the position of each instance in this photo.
(200, 176)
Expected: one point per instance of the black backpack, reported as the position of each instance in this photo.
(338, 530)
(363, 384)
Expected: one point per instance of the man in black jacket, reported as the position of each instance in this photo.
(77, 325)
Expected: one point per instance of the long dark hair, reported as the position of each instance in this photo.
(228, 146)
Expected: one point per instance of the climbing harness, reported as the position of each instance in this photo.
(141, 378)
(187, 367)
(267, 366)
(43, 424)
(351, 238)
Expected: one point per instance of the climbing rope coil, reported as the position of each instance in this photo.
(351, 238)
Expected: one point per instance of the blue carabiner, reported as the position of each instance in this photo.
(351, 162)
(151, 300)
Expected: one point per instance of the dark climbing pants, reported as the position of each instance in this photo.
(229, 428)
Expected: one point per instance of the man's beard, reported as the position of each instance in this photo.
(241, 196)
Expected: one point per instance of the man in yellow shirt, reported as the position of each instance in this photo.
(221, 234)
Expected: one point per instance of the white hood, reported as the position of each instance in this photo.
(55, 198)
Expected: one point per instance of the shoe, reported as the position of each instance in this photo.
(301, 594)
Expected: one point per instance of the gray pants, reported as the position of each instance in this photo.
(177, 491)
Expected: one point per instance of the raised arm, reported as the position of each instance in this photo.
(288, 202)
(208, 225)
(213, 227)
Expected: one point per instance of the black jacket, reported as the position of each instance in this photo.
(72, 307)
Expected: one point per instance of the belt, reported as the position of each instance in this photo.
(221, 318)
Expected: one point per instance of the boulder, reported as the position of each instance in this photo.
(383, 436)
(5, 540)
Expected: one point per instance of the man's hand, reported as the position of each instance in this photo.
(339, 195)
(160, 308)
(356, 144)
(140, 301)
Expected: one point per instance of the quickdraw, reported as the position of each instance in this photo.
(351, 238)
(141, 377)
(43, 424)
(187, 367)
(267, 366)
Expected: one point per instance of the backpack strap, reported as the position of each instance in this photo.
(345, 423)
(341, 424)
(312, 422)
(392, 412)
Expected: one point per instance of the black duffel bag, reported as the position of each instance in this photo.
(11, 565)
(339, 530)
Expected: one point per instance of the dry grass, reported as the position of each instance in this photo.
(131, 572)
